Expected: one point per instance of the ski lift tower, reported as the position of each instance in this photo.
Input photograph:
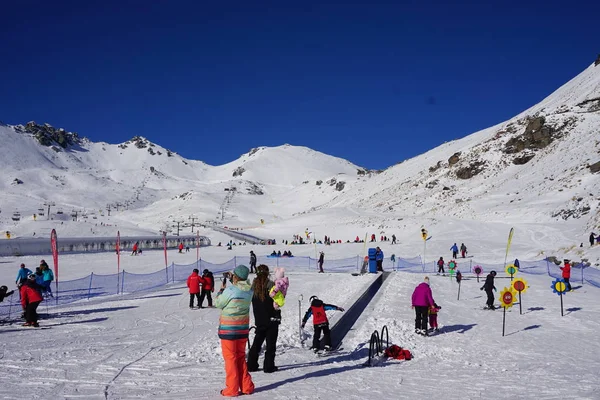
(49, 204)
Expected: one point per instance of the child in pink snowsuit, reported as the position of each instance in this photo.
(433, 312)
(279, 291)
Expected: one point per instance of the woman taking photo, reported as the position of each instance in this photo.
(266, 319)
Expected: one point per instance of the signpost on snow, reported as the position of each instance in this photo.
(478, 271)
(559, 287)
(507, 299)
(300, 298)
(118, 258)
(451, 268)
(520, 286)
(424, 236)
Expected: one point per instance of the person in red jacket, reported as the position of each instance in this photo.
(320, 322)
(181, 247)
(193, 283)
(422, 299)
(31, 298)
(566, 274)
(208, 287)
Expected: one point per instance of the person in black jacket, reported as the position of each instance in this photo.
(5, 293)
(252, 262)
(266, 320)
(592, 237)
(489, 288)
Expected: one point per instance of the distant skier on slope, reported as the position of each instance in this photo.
(454, 249)
(489, 288)
(463, 250)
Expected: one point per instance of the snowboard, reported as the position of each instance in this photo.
(334, 350)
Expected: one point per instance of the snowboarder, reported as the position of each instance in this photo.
(393, 239)
(440, 265)
(566, 274)
(266, 320)
(454, 249)
(252, 262)
(320, 322)
(321, 260)
(489, 288)
(193, 283)
(422, 299)
(234, 324)
(463, 250)
(208, 287)
(592, 237)
(379, 259)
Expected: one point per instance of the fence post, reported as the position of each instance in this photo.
(123, 282)
(173, 267)
(90, 287)
(234, 261)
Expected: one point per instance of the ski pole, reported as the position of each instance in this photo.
(300, 298)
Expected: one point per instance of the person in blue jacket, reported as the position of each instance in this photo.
(454, 249)
(22, 275)
(379, 259)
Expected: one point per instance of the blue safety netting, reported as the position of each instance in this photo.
(104, 285)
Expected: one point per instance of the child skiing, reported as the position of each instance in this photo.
(566, 274)
(489, 288)
(433, 323)
(320, 322)
(463, 250)
(440, 265)
(279, 291)
(454, 249)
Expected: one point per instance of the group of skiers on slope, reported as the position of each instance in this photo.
(266, 297)
(32, 287)
(201, 287)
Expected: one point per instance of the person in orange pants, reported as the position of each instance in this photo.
(234, 323)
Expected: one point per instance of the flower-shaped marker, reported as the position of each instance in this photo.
(511, 270)
(507, 297)
(519, 285)
(559, 287)
(477, 270)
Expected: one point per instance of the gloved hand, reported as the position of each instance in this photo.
(341, 309)
(303, 325)
(481, 288)
(495, 290)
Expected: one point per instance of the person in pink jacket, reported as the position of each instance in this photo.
(422, 299)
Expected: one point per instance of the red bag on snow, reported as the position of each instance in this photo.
(397, 352)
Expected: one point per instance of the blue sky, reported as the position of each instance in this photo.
(374, 83)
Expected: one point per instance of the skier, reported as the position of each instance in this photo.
(208, 287)
(379, 259)
(135, 249)
(180, 247)
(489, 288)
(252, 262)
(454, 249)
(48, 277)
(321, 260)
(422, 299)
(320, 322)
(463, 250)
(566, 274)
(266, 319)
(393, 239)
(440, 265)
(433, 322)
(193, 283)
(30, 300)
(592, 237)
(373, 238)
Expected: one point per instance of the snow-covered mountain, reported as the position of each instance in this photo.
(538, 170)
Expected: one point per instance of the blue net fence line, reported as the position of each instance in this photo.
(94, 285)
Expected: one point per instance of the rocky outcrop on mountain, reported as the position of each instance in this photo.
(469, 171)
(597, 62)
(537, 135)
(47, 135)
(238, 171)
(455, 158)
(595, 168)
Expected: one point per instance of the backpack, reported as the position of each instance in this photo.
(397, 353)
